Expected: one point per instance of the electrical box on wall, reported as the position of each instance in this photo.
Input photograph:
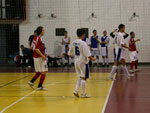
(60, 31)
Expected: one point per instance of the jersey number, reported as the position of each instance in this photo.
(77, 51)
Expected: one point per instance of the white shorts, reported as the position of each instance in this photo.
(104, 51)
(82, 69)
(95, 52)
(40, 65)
(133, 55)
(120, 54)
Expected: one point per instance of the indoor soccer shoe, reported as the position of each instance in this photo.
(131, 71)
(76, 93)
(41, 88)
(111, 78)
(31, 85)
(84, 96)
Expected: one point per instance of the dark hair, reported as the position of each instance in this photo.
(35, 31)
(131, 33)
(80, 32)
(94, 30)
(104, 31)
(121, 26)
(65, 31)
(22, 46)
(39, 30)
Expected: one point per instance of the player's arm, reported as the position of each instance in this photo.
(92, 58)
(42, 55)
(125, 46)
(134, 41)
(29, 43)
(97, 40)
(112, 33)
(70, 53)
(126, 35)
(68, 41)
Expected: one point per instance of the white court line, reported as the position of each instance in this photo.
(106, 101)
(27, 96)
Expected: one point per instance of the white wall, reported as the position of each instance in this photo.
(72, 15)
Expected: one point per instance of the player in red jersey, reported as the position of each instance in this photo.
(133, 53)
(40, 64)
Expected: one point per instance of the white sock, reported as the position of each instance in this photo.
(83, 85)
(103, 60)
(70, 60)
(126, 70)
(113, 71)
(107, 61)
(63, 61)
(97, 60)
(78, 84)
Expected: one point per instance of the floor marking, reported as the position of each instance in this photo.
(2, 111)
(106, 101)
(14, 81)
(18, 85)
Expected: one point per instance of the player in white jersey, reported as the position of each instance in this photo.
(65, 42)
(81, 52)
(120, 46)
(104, 41)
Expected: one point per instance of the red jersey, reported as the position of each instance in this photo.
(37, 44)
(132, 45)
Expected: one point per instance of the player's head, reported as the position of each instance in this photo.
(81, 33)
(94, 32)
(22, 47)
(121, 27)
(35, 33)
(65, 33)
(67, 47)
(132, 34)
(105, 33)
(40, 31)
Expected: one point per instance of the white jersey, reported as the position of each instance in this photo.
(66, 40)
(80, 50)
(119, 40)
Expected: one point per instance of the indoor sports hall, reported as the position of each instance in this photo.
(74, 56)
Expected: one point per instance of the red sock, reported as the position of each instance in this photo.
(136, 64)
(132, 64)
(42, 78)
(36, 76)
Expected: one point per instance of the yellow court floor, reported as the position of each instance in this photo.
(17, 97)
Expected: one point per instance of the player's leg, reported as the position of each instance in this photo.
(78, 84)
(44, 70)
(37, 74)
(123, 62)
(107, 59)
(103, 61)
(136, 62)
(97, 53)
(84, 76)
(131, 66)
(132, 58)
(114, 70)
(63, 59)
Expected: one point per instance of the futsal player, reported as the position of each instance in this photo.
(65, 42)
(82, 54)
(112, 34)
(94, 46)
(104, 41)
(120, 47)
(133, 53)
(40, 64)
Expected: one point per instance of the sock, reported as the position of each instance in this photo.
(97, 60)
(42, 80)
(70, 60)
(78, 84)
(103, 60)
(83, 85)
(132, 64)
(63, 61)
(126, 70)
(107, 61)
(35, 77)
(113, 71)
(136, 64)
